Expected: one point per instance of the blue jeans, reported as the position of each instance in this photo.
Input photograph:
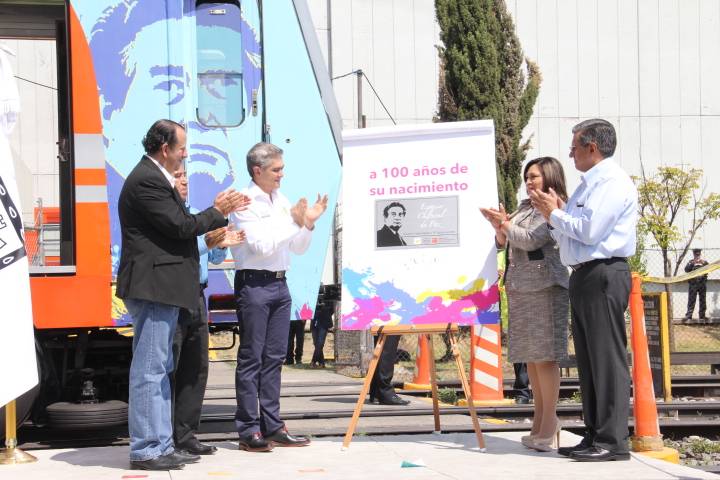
(319, 333)
(150, 410)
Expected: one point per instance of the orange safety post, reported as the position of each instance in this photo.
(647, 429)
(421, 380)
(486, 366)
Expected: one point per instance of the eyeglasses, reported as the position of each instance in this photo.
(574, 147)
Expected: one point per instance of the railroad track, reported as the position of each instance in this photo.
(682, 386)
(325, 409)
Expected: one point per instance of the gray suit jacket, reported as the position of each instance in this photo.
(533, 256)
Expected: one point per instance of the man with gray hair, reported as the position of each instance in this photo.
(595, 231)
(273, 228)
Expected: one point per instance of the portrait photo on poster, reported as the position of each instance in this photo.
(422, 222)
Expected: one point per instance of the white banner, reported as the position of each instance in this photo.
(17, 343)
(415, 248)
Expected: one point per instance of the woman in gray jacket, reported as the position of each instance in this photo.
(536, 284)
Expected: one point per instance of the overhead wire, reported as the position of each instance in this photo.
(372, 87)
(34, 83)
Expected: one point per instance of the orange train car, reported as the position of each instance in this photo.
(234, 73)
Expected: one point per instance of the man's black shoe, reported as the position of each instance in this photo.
(373, 401)
(598, 454)
(164, 462)
(393, 400)
(522, 400)
(288, 361)
(446, 358)
(282, 438)
(193, 446)
(585, 443)
(184, 457)
(254, 443)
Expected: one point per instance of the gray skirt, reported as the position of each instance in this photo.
(538, 325)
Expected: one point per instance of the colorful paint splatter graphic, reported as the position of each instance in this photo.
(383, 303)
(305, 313)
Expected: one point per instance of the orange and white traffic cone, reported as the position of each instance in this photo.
(647, 438)
(421, 379)
(486, 380)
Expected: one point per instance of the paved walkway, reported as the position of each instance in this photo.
(449, 456)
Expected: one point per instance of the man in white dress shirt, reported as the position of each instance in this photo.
(273, 228)
(596, 233)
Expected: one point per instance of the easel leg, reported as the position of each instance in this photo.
(466, 389)
(365, 390)
(433, 385)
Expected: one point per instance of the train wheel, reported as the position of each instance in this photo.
(86, 416)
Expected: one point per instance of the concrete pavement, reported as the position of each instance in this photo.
(448, 456)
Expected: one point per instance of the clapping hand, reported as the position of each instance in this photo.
(495, 216)
(241, 203)
(214, 237)
(545, 203)
(224, 237)
(314, 212)
(231, 201)
(232, 237)
(297, 212)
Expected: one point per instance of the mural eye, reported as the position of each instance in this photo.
(175, 89)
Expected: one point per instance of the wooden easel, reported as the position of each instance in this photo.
(384, 332)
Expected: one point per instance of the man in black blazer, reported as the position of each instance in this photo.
(158, 274)
(389, 234)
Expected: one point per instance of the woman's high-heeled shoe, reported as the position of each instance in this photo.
(527, 440)
(547, 444)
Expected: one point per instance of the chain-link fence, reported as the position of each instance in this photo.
(691, 332)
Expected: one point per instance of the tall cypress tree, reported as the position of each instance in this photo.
(482, 76)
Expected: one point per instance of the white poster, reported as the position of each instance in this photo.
(415, 248)
(17, 343)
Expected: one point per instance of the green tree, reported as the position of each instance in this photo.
(662, 197)
(482, 75)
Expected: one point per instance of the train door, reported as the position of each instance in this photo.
(223, 107)
(42, 140)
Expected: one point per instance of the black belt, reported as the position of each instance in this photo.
(261, 274)
(606, 261)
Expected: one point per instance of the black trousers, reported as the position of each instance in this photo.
(189, 378)
(264, 320)
(381, 384)
(696, 290)
(599, 295)
(296, 341)
(521, 385)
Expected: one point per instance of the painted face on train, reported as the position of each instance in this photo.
(196, 84)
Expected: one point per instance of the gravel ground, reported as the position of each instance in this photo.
(696, 451)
